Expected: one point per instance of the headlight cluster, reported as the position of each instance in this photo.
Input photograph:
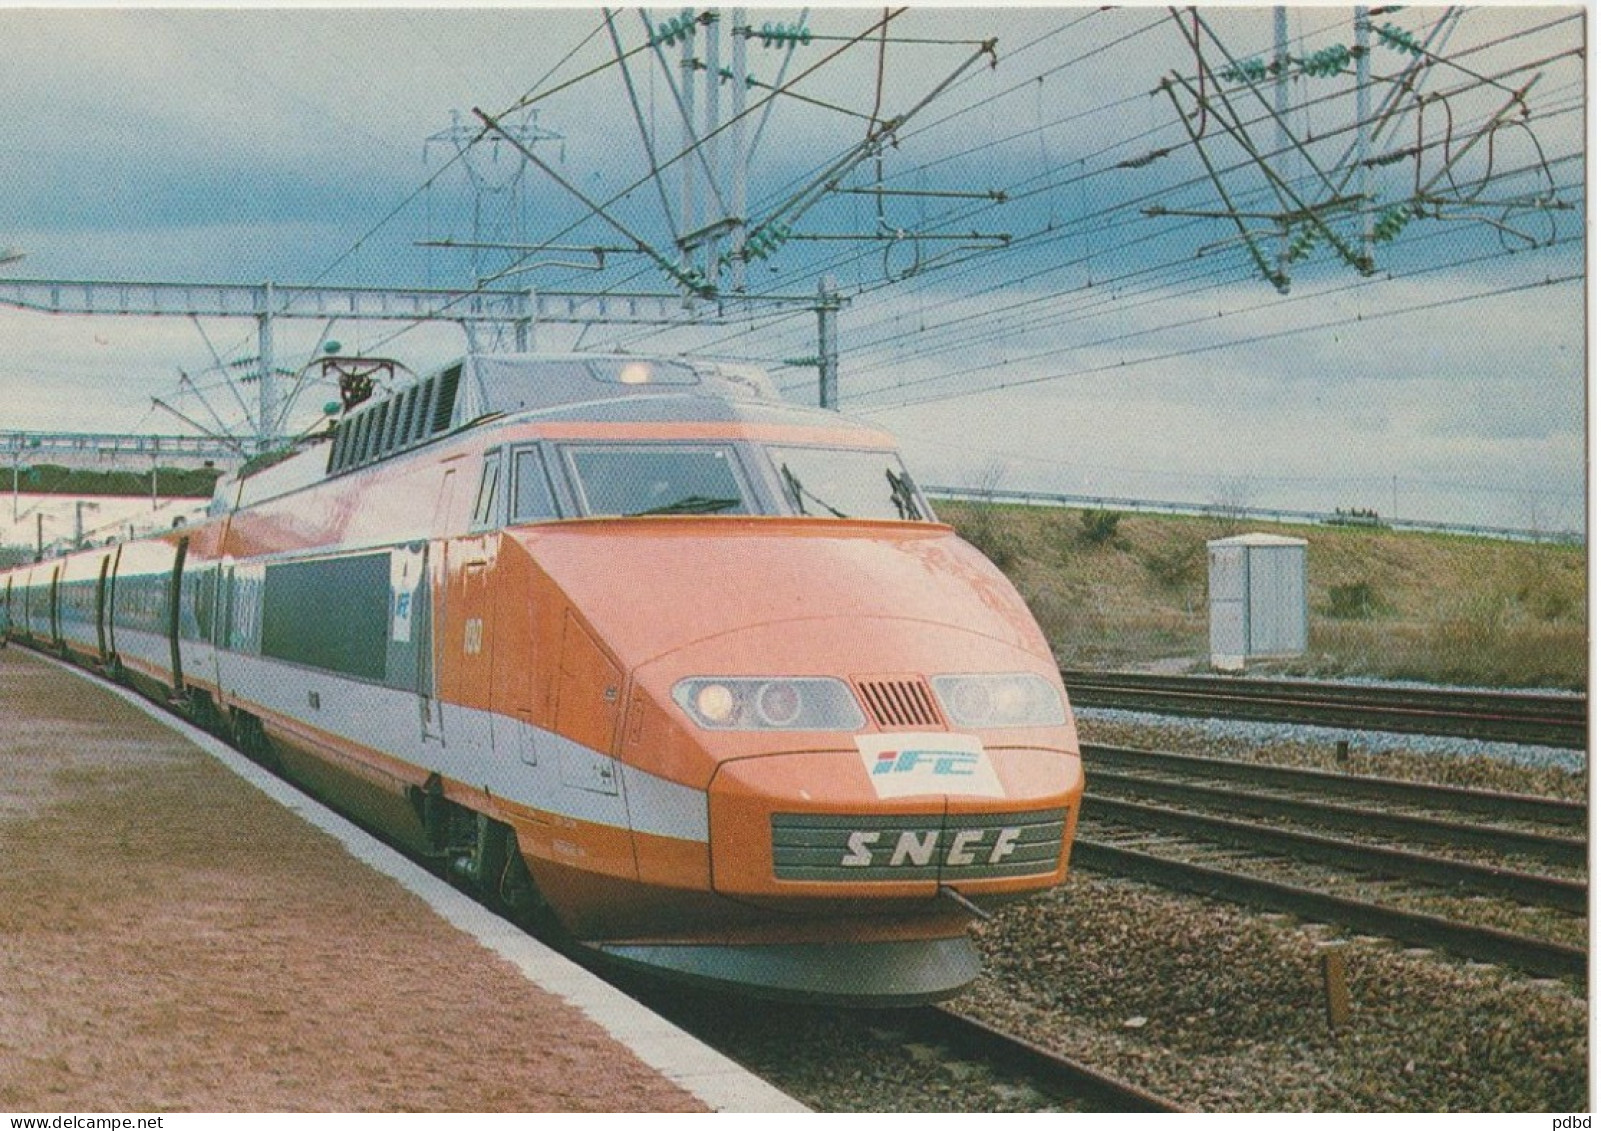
(999, 700)
(770, 704)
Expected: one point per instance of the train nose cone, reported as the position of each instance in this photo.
(666, 584)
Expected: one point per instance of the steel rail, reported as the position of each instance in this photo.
(1560, 720)
(1516, 806)
(1484, 944)
(1565, 851)
(1396, 863)
(970, 1034)
(1521, 704)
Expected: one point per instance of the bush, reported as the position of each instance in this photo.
(1099, 528)
(1176, 564)
(983, 525)
(1542, 590)
(1356, 601)
(993, 543)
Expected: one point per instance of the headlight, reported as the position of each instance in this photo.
(769, 704)
(1021, 700)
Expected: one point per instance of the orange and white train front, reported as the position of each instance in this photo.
(835, 727)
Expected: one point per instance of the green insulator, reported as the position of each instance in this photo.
(1393, 221)
(1398, 39)
(675, 30)
(778, 35)
(1326, 63)
(1250, 70)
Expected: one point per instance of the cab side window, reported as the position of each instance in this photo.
(486, 512)
(531, 499)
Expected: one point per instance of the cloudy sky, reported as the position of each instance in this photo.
(1057, 276)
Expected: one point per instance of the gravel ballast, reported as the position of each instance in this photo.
(1223, 1008)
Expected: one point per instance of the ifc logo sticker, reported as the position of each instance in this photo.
(906, 765)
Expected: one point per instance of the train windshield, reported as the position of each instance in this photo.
(841, 483)
(653, 479)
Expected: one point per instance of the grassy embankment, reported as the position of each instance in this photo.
(1123, 590)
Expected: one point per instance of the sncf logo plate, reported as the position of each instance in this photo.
(905, 765)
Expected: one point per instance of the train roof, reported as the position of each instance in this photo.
(531, 382)
(590, 388)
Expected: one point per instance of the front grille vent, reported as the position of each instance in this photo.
(899, 702)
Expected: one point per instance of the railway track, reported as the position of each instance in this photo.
(1148, 818)
(1561, 814)
(925, 1058)
(1054, 1071)
(1296, 796)
(1538, 719)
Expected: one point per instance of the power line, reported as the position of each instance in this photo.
(1258, 339)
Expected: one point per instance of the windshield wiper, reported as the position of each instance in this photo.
(690, 504)
(900, 493)
(799, 494)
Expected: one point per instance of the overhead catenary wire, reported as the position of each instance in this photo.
(1023, 240)
(1166, 291)
(646, 335)
(1017, 193)
(942, 313)
(865, 339)
(1233, 343)
(684, 153)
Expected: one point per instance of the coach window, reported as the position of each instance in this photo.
(531, 496)
(486, 512)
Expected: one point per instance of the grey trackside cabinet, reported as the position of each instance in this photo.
(1257, 592)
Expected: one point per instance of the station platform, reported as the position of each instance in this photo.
(180, 931)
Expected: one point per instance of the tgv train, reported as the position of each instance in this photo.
(629, 643)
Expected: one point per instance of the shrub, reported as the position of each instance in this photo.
(1356, 601)
(1543, 590)
(992, 542)
(1176, 564)
(983, 525)
(1099, 528)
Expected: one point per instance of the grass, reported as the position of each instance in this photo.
(1382, 603)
